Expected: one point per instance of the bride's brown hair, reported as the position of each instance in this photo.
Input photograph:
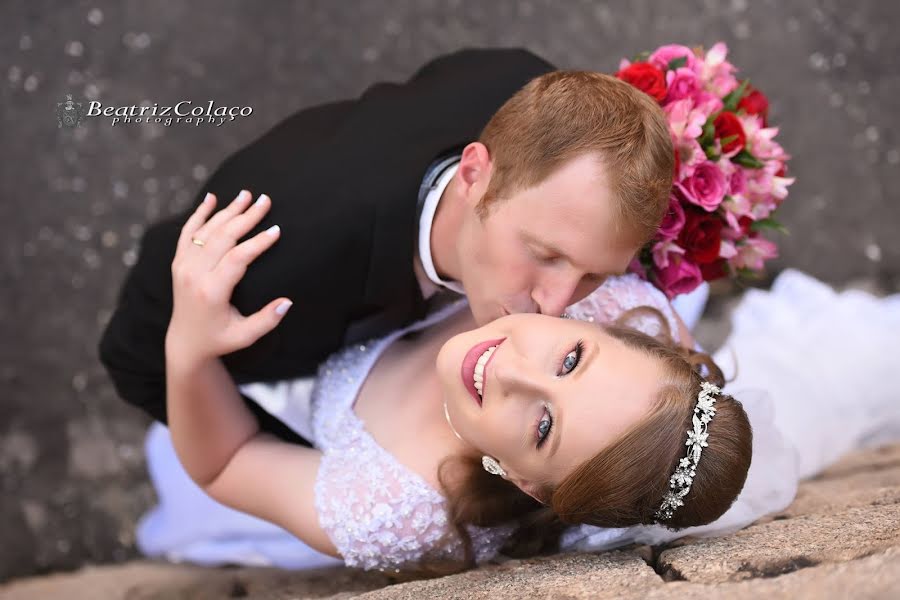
(624, 483)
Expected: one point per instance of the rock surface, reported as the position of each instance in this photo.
(840, 538)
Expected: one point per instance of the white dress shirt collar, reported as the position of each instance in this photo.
(426, 220)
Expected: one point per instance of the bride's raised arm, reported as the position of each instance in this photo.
(216, 437)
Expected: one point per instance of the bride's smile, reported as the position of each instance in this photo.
(474, 367)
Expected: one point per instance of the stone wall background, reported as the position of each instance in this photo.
(74, 203)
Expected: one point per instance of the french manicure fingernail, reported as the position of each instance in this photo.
(273, 230)
(283, 307)
(261, 199)
(208, 197)
(243, 195)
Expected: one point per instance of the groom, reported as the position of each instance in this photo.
(487, 174)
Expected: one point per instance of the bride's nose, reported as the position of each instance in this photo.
(514, 374)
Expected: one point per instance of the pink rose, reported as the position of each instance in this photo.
(673, 221)
(679, 277)
(666, 54)
(681, 83)
(705, 187)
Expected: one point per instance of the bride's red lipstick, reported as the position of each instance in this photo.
(467, 371)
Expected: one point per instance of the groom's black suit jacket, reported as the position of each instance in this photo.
(344, 179)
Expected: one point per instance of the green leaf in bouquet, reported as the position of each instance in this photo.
(728, 139)
(745, 159)
(709, 133)
(745, 273)
(677, 63)
(641, 56)
(731, 100)
(711, 153)
(771, 224)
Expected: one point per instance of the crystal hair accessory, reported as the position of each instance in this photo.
(681, 479)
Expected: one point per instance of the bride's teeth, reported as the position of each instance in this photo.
(479, 368)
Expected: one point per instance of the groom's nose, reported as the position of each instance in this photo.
(553, 293)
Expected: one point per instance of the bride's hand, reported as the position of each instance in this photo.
(204, 324)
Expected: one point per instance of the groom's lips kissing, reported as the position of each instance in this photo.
(470, 360)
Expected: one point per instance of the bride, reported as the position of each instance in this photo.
(440, 446)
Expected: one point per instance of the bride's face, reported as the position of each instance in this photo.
(554, 393)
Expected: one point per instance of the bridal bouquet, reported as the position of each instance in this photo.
(729, 171)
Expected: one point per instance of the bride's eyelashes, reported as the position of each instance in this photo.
(544, 427)
(569, 364)
(570, 361)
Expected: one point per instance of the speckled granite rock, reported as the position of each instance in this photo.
(577, 575)
(782, 546)
(146, 580)
(839, 539)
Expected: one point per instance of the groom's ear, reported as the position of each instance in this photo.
(474, 171)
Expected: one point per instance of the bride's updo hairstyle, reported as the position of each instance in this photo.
(624, 483)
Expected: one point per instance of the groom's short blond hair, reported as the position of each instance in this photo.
(563, 114)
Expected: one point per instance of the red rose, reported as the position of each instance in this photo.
(746, 223)
(755, 103)
(677, 165)
(701, 237)
(646, 78)
(714, 270)
(728, 125)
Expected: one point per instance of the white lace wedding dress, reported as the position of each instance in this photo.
(813, 373)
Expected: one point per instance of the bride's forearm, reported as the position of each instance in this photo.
(208, 419)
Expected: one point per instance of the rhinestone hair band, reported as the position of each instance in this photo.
(681, 479)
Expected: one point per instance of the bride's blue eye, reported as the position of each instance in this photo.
(544, 427)
(572, 359)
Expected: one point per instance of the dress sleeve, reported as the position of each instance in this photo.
(375, 514)
(620, 294)
(381, 516)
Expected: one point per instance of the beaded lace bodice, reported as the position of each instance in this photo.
(378, 513)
